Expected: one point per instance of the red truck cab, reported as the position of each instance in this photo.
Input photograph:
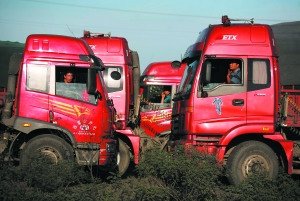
(61, 120)
(237, 120)
(121, 77)
(155, 114)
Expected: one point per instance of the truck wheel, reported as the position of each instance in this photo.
(50, 146)
(250, 158)
(123, 158)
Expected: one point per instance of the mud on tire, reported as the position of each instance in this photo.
(250, 158)
(50, 146)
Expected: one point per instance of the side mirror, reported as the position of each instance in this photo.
(207, 72)
(142, 83)
(205, 79)
(91, 84)
(97, 62)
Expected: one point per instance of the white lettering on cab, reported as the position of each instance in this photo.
(229, 37)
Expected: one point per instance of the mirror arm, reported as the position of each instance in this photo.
(204, 94)
(98, 95)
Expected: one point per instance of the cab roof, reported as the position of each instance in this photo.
(113, 50)
(164, 71)
(240, 39)
(55, 46)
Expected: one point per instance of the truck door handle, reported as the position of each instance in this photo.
(238, 102)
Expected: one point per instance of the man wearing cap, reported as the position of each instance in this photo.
(234, 73)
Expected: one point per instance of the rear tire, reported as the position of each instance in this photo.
(123, 158)
(250, 158)
(50, 146)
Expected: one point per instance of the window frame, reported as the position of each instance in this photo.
(105, 75)
(252, 86)
(153, 106)
(46, 78)
(222, 88)
(55, 80)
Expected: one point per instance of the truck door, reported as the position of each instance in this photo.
(156, 110)
(71, 108)
(222, 104)
(34, 91)
(260, 95)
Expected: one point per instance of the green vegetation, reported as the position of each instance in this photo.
(10, 44)
(160, 176)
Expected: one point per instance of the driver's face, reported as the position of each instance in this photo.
(167, 92)
(68, 78)
(233, 66)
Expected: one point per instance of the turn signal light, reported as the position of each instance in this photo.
(26, 124)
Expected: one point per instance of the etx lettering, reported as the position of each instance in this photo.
(229, 37)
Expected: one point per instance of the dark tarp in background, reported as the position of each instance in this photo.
(6, 50)
(287, 39)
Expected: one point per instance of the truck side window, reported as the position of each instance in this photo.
(152, 96)
(37, 78)
(113, 78)
(221, 71)
(71, 83)
(259, 75)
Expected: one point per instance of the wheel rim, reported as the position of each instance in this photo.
(255, 164)
(51, 154)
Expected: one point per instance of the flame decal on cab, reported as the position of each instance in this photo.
(157, 117)
(63, 107)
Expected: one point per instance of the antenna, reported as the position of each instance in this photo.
(70, 30)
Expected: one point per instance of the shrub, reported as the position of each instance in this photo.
(192, 174)
(259, 187)
(287, 187)
(149, 188)
(48, 177)
(161, 176)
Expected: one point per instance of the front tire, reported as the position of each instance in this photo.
(251, 158)
(123, 158)
(52, 147)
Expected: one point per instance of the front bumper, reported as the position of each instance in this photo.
(103, 154)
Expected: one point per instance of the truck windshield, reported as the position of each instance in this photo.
(185, 86)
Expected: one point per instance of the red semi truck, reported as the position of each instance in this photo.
(42, 113)
(121, 77)
(137, 129)
(251, 126)
(155, 117)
